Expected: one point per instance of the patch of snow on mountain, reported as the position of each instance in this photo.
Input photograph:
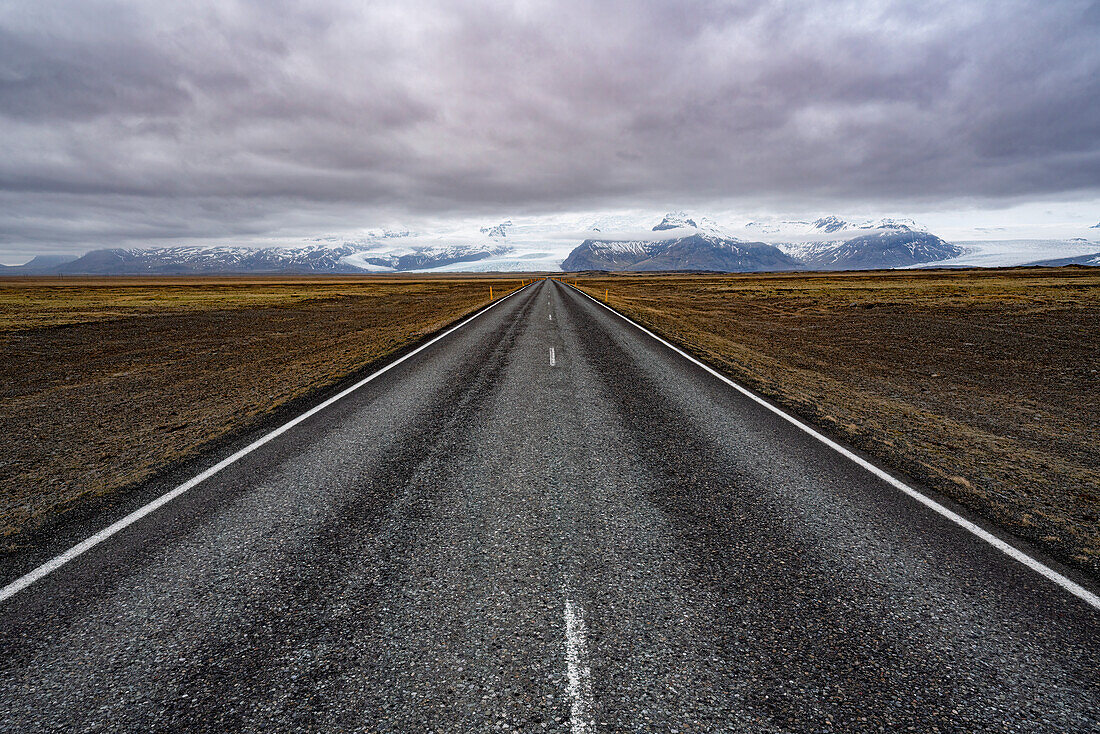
(675, 220)
(830, 224)
(827, 229)
(760, 230)
(893, 223)
(678, 224)
(499, 230)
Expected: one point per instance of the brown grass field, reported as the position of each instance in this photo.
(106, 381)
(984, 385)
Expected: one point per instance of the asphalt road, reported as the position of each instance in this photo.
(490, 538)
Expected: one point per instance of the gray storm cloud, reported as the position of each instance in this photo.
(126, 121)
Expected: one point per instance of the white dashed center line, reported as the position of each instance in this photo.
(552, 360)
(577, 671)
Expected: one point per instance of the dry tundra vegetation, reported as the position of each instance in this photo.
(984, 385)
(980, 384)
(108, 381)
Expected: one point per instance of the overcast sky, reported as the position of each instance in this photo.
(219, 121)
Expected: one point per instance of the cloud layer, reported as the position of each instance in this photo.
(126, 121)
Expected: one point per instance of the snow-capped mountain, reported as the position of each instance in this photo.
(828, 243)
(188, 260)
(878, 249)
(675, 220)
(388, 234)
(619, 240)
(830, 224)
(834, 243)
(894, 223)
(761, 229)
(309, 258)
(692, 252)
(828, 227)
(499, 230)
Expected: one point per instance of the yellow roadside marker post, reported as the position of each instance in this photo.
(605, 296)
(490, 293)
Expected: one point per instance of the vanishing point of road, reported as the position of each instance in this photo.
(545, 520)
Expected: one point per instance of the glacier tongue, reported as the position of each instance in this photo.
(679, 240)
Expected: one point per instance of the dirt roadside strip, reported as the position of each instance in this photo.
(984, 385)
(109, 381)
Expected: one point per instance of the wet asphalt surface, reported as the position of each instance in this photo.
(402, 561)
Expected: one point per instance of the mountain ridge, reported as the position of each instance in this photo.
(691, 252)
(241, 260)
(677, 241)
(876, 244)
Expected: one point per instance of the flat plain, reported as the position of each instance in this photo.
(982, 384)
(106, 381)
(484, 539)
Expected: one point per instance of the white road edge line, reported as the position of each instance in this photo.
(1009, 550)
(552, 357)
(578, 673)
(58, 561)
